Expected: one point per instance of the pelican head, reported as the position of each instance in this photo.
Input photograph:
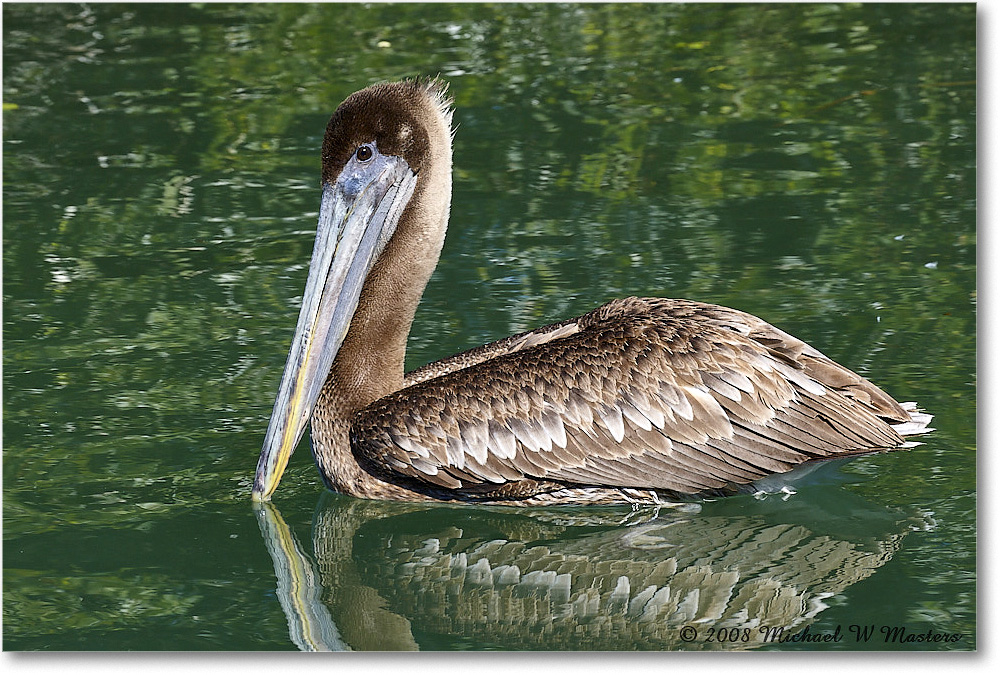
(386, 194)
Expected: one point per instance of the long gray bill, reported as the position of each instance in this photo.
(358, 215)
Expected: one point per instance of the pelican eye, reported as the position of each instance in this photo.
(364, 153)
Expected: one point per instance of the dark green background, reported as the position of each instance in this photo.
(811, 164)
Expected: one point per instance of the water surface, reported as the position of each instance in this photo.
(811, 164)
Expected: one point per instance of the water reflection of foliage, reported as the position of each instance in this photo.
(681, 196)
(803, 162)
(80, 603)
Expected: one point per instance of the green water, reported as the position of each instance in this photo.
(811, 164)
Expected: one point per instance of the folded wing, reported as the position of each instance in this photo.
(640, 393)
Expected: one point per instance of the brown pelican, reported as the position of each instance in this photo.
(637, 400)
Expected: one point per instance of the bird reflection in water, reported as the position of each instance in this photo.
(406, 576)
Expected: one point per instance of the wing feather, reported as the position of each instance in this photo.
(640, 393)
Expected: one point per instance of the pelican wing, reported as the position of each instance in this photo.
(640, 393)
